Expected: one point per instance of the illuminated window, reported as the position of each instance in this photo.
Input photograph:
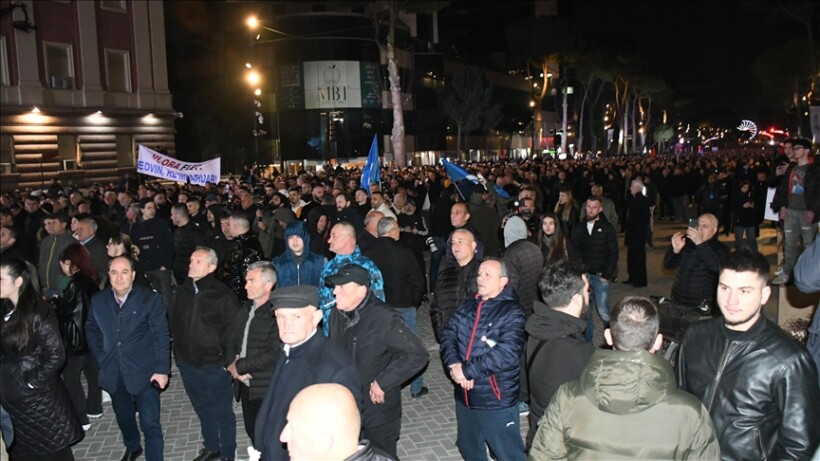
(118, 71)
(59, 65)
(4, 62)
(113, 5)
(6, 154)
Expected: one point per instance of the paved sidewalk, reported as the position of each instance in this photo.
(428, 426)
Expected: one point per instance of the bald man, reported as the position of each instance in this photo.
(696, 254)
(323, 423)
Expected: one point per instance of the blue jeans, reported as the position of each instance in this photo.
(599, 288)
(147, 403)
(500, 429)
(211, 391)
(435, 260)
(409, 316)
(751, 237)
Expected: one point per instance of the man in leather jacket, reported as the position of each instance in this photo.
(758, 384)
(244, 251)
(324, 423)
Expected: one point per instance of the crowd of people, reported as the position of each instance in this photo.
(265, 290)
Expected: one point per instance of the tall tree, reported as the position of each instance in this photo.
(542, 43)
(468, 102)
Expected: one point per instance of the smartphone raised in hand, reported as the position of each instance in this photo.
(693, 223)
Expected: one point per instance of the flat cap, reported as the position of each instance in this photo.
(295, 297)
(350, 273)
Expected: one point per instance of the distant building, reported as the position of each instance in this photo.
(82, 83)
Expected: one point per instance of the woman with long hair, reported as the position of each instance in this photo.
(554, 245)
(567, 211)
(72, 313)
(31, 355)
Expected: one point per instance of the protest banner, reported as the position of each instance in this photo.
(152, 163)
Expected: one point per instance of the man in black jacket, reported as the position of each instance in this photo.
(403, 281)
(696, 254)
(244, 251)
(204, 311)
(596, 241)
(637, 225)
(253, 347)
(310, 358)
(385, 352)
(156, 243)
(455, 283)
(758, 384)
(556, 350)
(187, 236)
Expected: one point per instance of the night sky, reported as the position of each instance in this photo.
(704, 51)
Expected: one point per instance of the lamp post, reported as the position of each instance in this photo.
(253, 79)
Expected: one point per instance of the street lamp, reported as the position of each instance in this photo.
(254, 78)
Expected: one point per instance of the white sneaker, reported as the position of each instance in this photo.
(86, 427)
(253, 455)
(106, 397)
(780, 279)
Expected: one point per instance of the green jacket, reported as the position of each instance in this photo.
(624, 406)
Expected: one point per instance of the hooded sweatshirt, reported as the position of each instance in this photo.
(302, 270)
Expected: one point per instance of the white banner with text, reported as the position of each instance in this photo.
(154, 164)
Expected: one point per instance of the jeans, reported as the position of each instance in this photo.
(161, 281)
(435, 260)
(147, 403)
(211, 391)
(751, 237)
(500, 429)
(796, 227)
(599, 288)
(409, 316)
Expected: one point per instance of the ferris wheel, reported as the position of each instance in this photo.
(749, 127)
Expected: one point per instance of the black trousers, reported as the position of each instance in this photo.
(250, 408)
(84, 404)
(384, 436)
(636, 262)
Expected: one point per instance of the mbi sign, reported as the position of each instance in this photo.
(330, 85)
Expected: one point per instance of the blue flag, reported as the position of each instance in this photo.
(371, 172)
(465, 181)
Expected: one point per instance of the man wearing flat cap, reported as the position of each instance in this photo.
(385, 351)
(306, 358)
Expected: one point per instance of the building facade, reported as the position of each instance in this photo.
(82, 84)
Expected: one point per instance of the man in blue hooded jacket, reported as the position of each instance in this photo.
(298, 265)
(481, 346)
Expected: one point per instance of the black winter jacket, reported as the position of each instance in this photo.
(599, 250)
(556, 353)
(156, 244)
(200, 321)
(697, 276)
(494, 359)
(454, 285)
(263, 347)
(369, 452)
(72, 313)
(524, 265)
(244, 251)
(31, 390)
(403, 280)
(186, 239)
(383, 349)
(761, 389)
